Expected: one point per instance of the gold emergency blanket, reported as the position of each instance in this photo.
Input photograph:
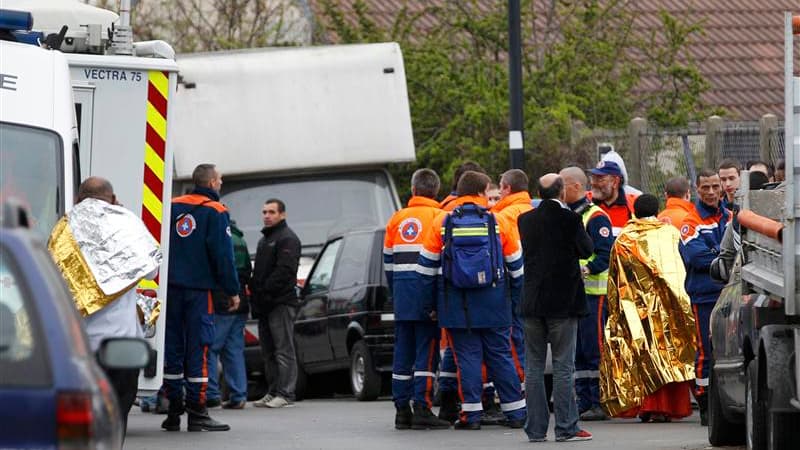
(102, 251)
(649, 336)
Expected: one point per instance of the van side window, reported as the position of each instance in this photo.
(354, 261)
(320, 279)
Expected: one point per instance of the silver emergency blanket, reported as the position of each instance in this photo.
(148, 309)
(115, 244)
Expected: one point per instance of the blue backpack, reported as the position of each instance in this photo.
(472, 255)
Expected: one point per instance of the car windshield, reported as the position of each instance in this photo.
(30, 159)
(316, 206)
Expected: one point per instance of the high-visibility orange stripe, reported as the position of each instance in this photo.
(698, 371)
(462, 415)
(429, 380)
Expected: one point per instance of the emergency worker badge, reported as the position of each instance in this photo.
(185, 225)
(410, 228)
(228, 230)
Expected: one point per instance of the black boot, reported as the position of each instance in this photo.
(199, 420)
(449, 409)
(492, 414)
(173, 420)
(702, 405)
(425, 420)
(402, 418)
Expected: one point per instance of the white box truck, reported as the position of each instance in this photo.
(313, 126)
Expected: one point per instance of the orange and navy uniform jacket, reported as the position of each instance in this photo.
(200, 246)
(676, 211)
(401, 246)
(701, 235)
(488, 307)
(447, 204)
(620, 212)
(509, 208)
(599, 229)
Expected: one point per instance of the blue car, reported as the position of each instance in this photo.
(53, 393)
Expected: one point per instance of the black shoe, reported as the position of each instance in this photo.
(704, 417)
(172, 423)
(492, 414)
(199, 420)
(174, 412)
(213, 403)
(402, 418)
(467, 425)
(449, 409)
(702, 405)
(516, 423)
(595, 413)
(424, 419)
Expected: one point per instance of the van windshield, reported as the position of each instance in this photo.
(316, 205)
(30, 159)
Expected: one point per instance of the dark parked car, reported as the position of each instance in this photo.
(345, 320)
(53, 394)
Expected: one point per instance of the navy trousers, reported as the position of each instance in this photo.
(416, 356)
(587, 353)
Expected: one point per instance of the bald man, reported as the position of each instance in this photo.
(595, 277)
(553, 240)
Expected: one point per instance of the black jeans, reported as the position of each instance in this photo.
(276, 335)
(126, 385)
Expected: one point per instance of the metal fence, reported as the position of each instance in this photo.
(665, 153)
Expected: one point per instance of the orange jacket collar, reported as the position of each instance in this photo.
(477, 199)
(522, 198)
(679, 203)
(422, 201)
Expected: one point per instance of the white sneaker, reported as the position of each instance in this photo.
(262, 403)
(278, 402)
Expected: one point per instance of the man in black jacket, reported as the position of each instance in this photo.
(275, 303)
(553, 240)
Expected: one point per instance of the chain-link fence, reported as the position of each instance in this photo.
(668, 153)
(741, 141)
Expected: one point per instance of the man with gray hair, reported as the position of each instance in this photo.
(416, 329)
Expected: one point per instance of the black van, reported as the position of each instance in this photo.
(345, 321)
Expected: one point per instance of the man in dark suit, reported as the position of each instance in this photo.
(553, 240)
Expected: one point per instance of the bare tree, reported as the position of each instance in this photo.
(207, 25)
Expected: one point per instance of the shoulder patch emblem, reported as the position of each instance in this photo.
(185, 225)
(604, 231)
(410, 229)
(685, 230)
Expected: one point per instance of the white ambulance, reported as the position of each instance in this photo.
(121, 93)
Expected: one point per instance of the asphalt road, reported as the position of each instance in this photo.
(343, 423)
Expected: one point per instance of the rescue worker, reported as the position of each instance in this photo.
(416, 335)
(701, 235)
(514, 200)
(448, 385)
(476, 320)
(679, 202)
(595, 277)
(730, 178)
(607, 183)
(201, 260)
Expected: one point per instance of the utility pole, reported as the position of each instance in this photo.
(515, 134)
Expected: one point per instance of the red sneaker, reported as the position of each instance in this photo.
(581, 435)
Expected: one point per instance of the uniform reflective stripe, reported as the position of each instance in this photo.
(596, 284)
(512, 406)
(448, 374)
(470, 407)
(522, 386)
(616, 230)
(512, 257)
(701, 381)
(489, 384)
(469, 232)
(401, 377)
(587, 374)
(517, 273)
(424, 374)
(197, 380)
(407, 248)
(388, 267)
(387, 250)
(430, 271)
(402, 267)
(173, 376)
(430, 255)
